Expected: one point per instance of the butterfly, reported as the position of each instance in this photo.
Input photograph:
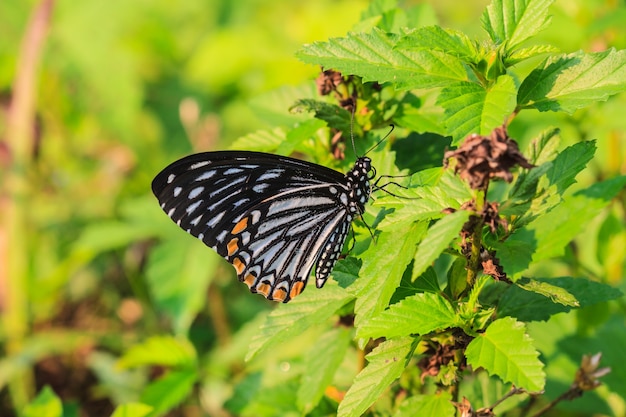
(272, 217)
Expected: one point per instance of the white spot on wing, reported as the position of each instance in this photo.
(195, 192)
(206, 175)
(193, 207)
(170, 178)
(199, 164)
(177, 191)
(215, 220)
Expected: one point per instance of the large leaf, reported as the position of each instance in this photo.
(384, 268)
(569, 82)
(417, 314)
(385, 364)
(288, 320)
(373, 57)
(558, 227)
(470, 108)
(515, 21)
(507, 351)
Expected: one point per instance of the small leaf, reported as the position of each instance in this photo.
(549, 296)
(169, 391)
(261, 140)
(515, 21)
(385, 363)
(418, 314)
(287, 320)
(439, 405)
(445, 40)
(179, 271)
(321, 362)
(437, 239)
(507, 351)
(570, 82)
(569, 163)
(160, 351)
(332, 114)
(372, 56)
(46, 404)
(132, 410)
(523, 54)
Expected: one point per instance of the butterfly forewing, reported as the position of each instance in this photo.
(271, 217)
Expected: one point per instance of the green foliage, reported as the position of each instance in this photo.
(451, 294)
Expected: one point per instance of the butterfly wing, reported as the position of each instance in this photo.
(271, 217)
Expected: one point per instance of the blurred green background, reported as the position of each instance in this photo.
(89, 266)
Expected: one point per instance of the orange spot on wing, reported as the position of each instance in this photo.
(296, 289)
(279, 294)
(232, 246)
(263, 289)
(239, 265)
(240, 226)
(249, 280)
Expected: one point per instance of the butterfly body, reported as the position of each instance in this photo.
(272, 217)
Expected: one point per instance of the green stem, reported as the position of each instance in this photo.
(14, 271)
(474, 262)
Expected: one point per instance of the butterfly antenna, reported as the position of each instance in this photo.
(352, 128)
(381, 141)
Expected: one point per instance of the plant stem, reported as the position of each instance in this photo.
(477, 233)
(13, 245)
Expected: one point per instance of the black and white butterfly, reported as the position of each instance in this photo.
(272, 217)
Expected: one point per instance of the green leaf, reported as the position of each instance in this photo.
(371, 56)
(179, 271)
(499, 103)
(445, 40)
(469, 108)
(169, 391)
(516, 252)
(160, 351)
(303, 131)
(523, 54)
(549, 296)
(507, 351)
(382, 271)
(569, 163)
(288, 320)
(132, 410)
(418, 314)
(332, 114)
(261, 140)
(555, 229)
(437, 239)
(515, 21)
(321, 363)
(570, 82)
(439, 405)
(45, 404)
(385, 363)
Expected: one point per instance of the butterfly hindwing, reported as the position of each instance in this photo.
(271, 217)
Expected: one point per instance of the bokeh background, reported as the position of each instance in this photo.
(96, 97)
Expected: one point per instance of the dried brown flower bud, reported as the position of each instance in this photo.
(481, 158)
